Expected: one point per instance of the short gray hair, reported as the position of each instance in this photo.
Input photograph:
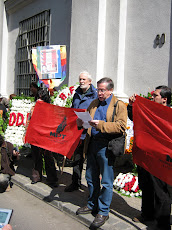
(110, 84)
(86, 73)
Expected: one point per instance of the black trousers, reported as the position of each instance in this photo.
(37, 154)
(78, 164)
(155, 199)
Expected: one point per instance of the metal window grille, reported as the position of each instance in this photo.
(33, 32)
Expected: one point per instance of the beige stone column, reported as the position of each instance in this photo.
(3, 50)
(121, 50)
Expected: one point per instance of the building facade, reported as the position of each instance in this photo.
(126, 40)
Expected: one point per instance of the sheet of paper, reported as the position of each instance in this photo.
(85, 117)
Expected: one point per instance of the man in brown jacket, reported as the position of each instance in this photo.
(99, 159)
(7, 156)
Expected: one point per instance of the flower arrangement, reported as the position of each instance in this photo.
(64, 96)
(19, 112)
(127, 184)
(3, 123)
(20, 109)
(148, 96)
(130, 138)
(129, 150)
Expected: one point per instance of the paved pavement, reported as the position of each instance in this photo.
(123, 208)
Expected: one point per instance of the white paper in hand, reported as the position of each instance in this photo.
(85, 117)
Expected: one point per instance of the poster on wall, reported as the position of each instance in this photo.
(50, 64)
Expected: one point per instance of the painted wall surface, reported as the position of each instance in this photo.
(111, 40)
(3, 52)
(83, 45)
(1, 32)
(75, 23)
(147, 65)
(60, 29)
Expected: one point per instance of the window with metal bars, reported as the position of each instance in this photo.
(33, 32)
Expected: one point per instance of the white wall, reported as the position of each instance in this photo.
(77, 24)
(112, 40)
(1, 28)
(146, 66)
(1, 33)
(83, 45)
(60, 29)
(3, 50)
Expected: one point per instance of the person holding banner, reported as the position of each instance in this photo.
(83, 96)
(34, 90)
(156, 205)
(38, 153)
(100, 162)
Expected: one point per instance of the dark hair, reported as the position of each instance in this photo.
(165, 92)
(12, 96)
(44, 95)
(34, 84)
(107, 80)
(1, 140)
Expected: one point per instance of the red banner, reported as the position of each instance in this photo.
(152, 148)
(54, 128)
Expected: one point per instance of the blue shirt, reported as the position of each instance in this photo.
(100, 114)
(83, 100)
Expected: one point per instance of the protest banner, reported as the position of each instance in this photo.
(54, 128)
(152, 148)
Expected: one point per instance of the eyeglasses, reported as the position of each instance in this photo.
(101, 90)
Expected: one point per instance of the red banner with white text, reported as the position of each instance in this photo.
(152, 148)
(54, 128)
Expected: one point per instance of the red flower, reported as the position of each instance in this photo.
(71, 89)
(12, 119)
(152, 92)
(126, 188)
(20, 119)
(62, 96)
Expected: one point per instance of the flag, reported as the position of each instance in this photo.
(152, 148)
(54, 128)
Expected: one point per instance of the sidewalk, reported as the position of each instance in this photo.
(123, 208)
